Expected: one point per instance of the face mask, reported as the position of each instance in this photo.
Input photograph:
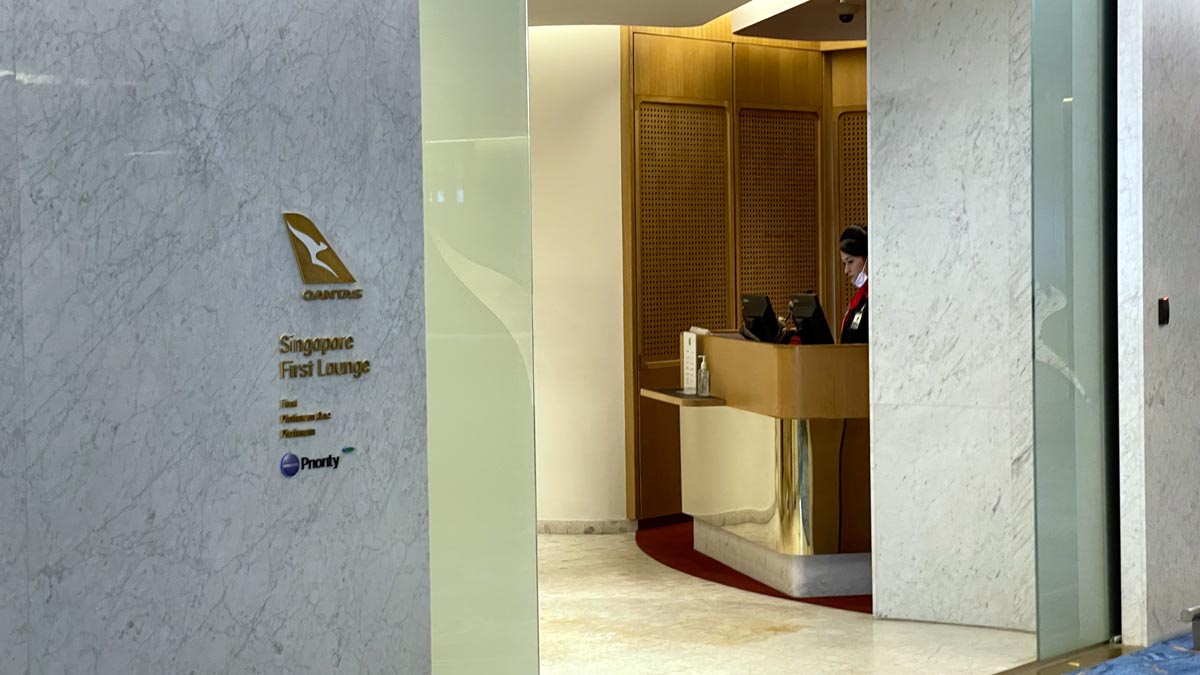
(861, 279)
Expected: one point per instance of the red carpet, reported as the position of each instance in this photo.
(671, 545)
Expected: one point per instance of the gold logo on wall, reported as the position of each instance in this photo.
(318, 262)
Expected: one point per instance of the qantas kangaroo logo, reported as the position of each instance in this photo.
(318, 262)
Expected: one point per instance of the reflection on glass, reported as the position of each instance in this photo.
(478, 294)
(1072, 306)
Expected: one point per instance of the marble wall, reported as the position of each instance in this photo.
(1132, 323)
(14, 490)
(950, 266)
(1159, 62)
(149, 150)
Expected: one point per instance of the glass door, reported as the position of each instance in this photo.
(1074, 300)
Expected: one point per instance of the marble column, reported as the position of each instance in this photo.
(1159, 196)
(14, 490)
(950, 269)
(145, 280)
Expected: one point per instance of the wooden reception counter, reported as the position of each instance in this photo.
(789, 381)
(793, 513)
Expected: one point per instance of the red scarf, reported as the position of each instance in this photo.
(854, 303)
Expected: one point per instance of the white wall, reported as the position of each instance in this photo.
(951, 392)
(1159, 195)
(575, 130)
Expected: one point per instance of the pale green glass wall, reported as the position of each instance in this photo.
(1073, 304)
(478, 295)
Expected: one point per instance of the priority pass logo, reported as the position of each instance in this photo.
(317, 261)
(290, 464)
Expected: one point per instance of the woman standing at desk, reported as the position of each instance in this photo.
(853, 247)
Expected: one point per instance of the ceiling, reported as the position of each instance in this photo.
(814, 20)
(673, 13)
(801, 19)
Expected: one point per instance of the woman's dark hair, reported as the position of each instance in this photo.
(853, 241)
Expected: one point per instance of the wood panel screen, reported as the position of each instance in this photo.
(778, 207)
(852, 168)
(683, 225)
(851, 179)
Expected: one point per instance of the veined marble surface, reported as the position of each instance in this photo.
(1171, 200)
(1133, 315)
(959, 558)
(14, 489)
(158, 145)
(951, 389)
(608, 608)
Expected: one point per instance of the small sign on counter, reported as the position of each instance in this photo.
(689, 363)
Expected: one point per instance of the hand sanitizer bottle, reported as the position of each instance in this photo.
(702, 378)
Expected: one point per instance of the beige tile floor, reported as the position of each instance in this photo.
(607, 608)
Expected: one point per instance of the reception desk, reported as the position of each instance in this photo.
(775, 463)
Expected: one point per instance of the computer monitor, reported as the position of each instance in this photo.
(811, 326)
(759, 321)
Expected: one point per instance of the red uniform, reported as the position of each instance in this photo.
(854, 323)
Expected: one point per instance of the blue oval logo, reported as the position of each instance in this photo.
(289, 465)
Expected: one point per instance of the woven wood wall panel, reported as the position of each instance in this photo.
(852, 169)
(682, 224)
(851, 179)
(778, 206)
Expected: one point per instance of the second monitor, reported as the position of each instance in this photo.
(811, 326)
(759, 321)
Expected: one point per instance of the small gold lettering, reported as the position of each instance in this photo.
(355, 368)
(311, 417)
(293, 370)
(296, 433)
(289, 344)
(333, 294)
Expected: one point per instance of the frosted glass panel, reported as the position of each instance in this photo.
(479, 311)
(1073, 305)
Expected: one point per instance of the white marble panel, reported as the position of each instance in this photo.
(14, 592)
(159, 145)
(951, 285)
(1132, 315)
(1171, 193)
(953, 543)
(950, 203)
(1019, 139)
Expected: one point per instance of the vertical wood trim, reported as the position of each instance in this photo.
(630, 289)
(845, 289)
(732, 166)
(829, 233)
